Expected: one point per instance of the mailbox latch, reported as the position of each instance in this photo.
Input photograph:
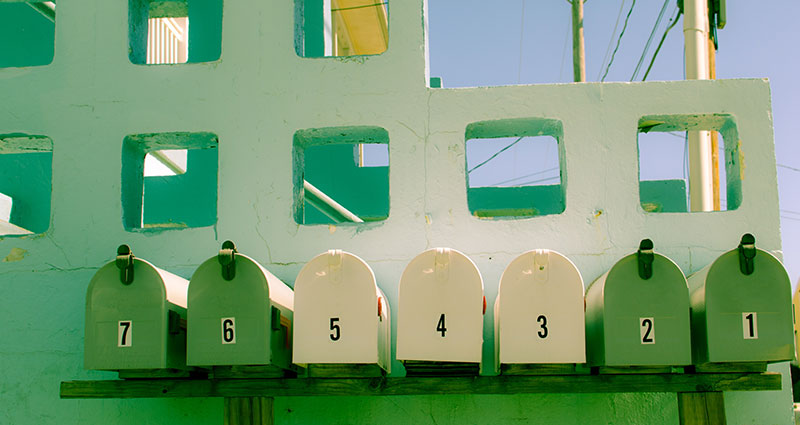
(227, 259)
(645, 257)
(747, 254)
(125, 264)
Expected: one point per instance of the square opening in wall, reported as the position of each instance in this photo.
(679, 154)
(169, 180)
(325, 28)
(341, 175)
(159, 31)
(515, 168)
(27, 33)
(26, 170)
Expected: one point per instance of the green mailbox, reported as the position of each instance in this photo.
(742, 308)
(134, 312)
(240, 314)
(637, 313)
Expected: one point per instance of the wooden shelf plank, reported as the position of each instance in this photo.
(178, 388)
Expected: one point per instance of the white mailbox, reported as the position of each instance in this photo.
(341, 316)
(539, 312)
(441, 309)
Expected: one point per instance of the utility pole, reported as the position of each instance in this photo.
(695, 33)
(578, 50)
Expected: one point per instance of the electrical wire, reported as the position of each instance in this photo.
(495, 155)
(661, 43)
(539, 180)
(619, 40)
(359, 7)
(564, 50)
(611, 39)
(650, 40)
(789, 168)
(525, 176)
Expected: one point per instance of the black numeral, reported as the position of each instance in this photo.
(542, 319)
(440, 326)
(336, 329)
(228, 331)
(123, 337)
(648, 325)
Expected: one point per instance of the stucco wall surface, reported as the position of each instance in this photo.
(254, 99)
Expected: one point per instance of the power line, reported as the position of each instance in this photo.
(661, 43)
(619, 40)
(538, 180)
(358, 7)
(525, 176)
(789, 168)
(650, 39)
(611, 40)
(790, 218)
(495, 155)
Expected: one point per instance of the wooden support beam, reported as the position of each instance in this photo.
(701, 408)
(157, 388)
(248, 411)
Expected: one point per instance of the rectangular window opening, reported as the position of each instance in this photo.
(165, 186)
(328, 28)
(159, 31)
(514, 168)
(341, 175)
(27, 31)
(26, 170)
(665, 153)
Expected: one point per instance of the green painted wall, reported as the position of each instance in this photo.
(255, 99)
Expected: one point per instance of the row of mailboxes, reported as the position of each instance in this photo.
(640, 313)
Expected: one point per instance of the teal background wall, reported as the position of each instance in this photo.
(26, 178)
(255, 98)
(188, 199)
(26, 38)
(362, 190)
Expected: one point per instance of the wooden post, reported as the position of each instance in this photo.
(712, 75)
(706, 408)
(578, 50)
(248, 411)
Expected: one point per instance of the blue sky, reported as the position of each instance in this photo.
(479, 43)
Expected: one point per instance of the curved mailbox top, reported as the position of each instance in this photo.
(338, 318)
(742, 312)
(539, 312)
(637, 313)
(441, 304)
(252, 280)
(148, 280)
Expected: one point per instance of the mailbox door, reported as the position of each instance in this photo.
(441, 304)
(541, 310)
(126, 325)
(229, 320)
(646, 322)
(336, 311)
(748, 317)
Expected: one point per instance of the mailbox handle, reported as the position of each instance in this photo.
(747, 254)
(645, 257)
(227, 259)
(124, 263)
